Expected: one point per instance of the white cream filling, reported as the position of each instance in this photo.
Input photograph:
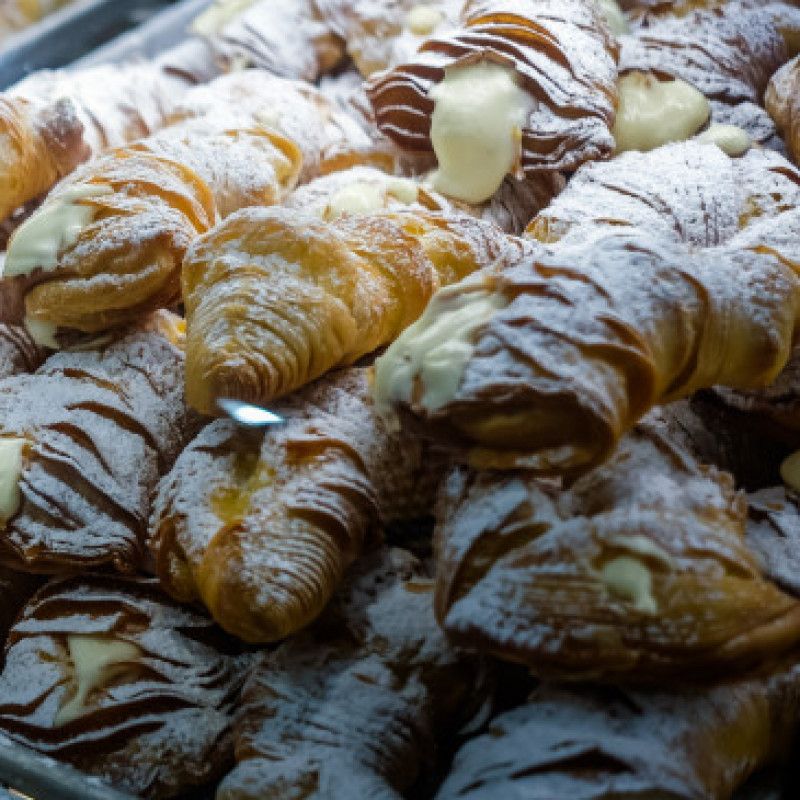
(96, 660)
(42, 332)
(366, 197)
(215, 18)
(424, 20)
(630, 579)
(476, 129)
(37, 243)
(615, 17)
(434, 350)
(643, 546)
(10, 473)
(790, 471)
(652, 112)
(731, 139)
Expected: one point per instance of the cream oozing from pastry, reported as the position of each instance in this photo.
(614, 16)
(215, 18)
(731, 139)
(10, 472)
(38, 242)
(653, 112)
(643, 546)
(790, 471)
(42, 332)
(433, 352)
(366, 197)
(476, 129)
(630, 579)
(96, 661)
(424, 20)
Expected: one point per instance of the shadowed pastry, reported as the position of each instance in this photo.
(83, 442)
(639, 571)
(15, 590)
(782, 104)
(519, 88)
(18, 352)
(260, 525)
(548, 362)
(109, 675)
(592, 743)
(356, 705)
(275, 298)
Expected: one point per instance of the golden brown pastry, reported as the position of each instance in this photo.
(83, 442)
(527, 87)
(357, 705)
(261, 525)
(598, 743)
(109, 675)
(275, 298)
(16, 15)
(782, 104)
(639, 571)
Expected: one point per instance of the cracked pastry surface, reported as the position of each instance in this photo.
(260, 525)
(85, 439)
(109, 675)
(639, 571)
(275, 298)
(355, 705)
(559, 58)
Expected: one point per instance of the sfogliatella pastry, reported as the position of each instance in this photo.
(83, 441)
(109, 675)
(597, 743)
(18, 351)
(15, 590)
(639, 571)
(261, 525)
(781, 102)
(290, 38)
(357, 705)
(275, 298)
(521, 88)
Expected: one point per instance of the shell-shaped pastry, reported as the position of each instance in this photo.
(782, 104)
(275, 298)
(260, 525)
(83, 443)
(599, 743)
(561, 54)
(356, 705)
(638, 571)
(107, 674)
(18, 352)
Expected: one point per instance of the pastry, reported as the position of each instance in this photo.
(109, 675)
(357, 705)
(639, 571)
(289, 38)
(84, 441)
(782, 104)
(594, 743)
(275, 298)
(523, 88)
(18, 352)
(16, 15)
(53, 121)
(260, 525)
(15, 590)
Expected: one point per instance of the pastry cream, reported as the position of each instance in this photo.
(42, 332)
(36, 244)
(614, 16)
(630, 579)
(97, 660)
(731, 139)
(10, 472)
(365, 197)
(434, 350)
(643, 547)
(653, 112)
(423, 20)
(790, 471)
(218, 15)
(476, 129)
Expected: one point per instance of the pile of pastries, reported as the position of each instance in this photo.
(520, 280)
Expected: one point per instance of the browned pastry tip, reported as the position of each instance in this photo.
(594, 743)
(638, 572)
(84, 441)
(358, 704)
(109, 675)
(261, 525)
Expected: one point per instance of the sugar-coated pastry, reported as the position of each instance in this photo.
(639, 571)
(109, 675)
(525, 88)
(782, 104)
(15, 590)
(595, 743)
(18, 351)
(261, 525)
(358, 704)
(83, 441)
(275, 298)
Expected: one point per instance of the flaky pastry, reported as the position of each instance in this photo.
(261, 525)
(782, 104)
(18, 351)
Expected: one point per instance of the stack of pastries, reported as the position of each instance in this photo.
(516, 285)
